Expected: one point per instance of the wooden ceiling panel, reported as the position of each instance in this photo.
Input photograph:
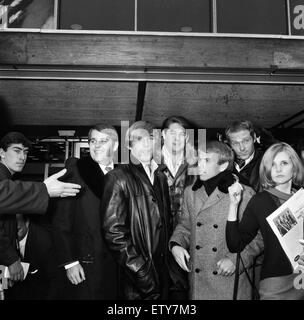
(79, 103)
(216, 105)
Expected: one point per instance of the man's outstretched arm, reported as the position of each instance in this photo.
(33, 197)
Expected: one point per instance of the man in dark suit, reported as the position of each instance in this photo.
(23, 238)
(136, 213)
(14, 148)
(36, 246)
(89, 272)
(242, 139)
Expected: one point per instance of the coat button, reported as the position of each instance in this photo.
(199, 224)
(215, 226)
(153, 199)
(197, 270)
(197, 247)
(214, 249)
(214, 272)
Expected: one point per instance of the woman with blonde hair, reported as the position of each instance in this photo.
(281, 171)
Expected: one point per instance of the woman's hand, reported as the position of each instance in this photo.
(235, 193)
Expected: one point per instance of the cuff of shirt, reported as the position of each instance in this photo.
(70, 265)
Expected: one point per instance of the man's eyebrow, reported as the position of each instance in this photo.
(20, 148)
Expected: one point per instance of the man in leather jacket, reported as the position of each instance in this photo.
(136, 210)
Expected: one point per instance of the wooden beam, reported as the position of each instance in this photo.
(150, 50)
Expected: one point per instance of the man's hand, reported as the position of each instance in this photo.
(16, 271)
(181, 256)
(76, 274)
(57, 188)
(22, 226)
(225, 267)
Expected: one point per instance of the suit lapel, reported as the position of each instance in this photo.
(202, 201)
(91, 174)
(214, 197)
(199, 199)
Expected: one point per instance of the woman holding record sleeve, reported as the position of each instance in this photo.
(280, 170)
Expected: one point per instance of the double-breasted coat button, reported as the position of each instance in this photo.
(197, 247)
(214, 249)
(199, 224)
(215, 226)
(153, 199)
(214, 272)
(197, 270)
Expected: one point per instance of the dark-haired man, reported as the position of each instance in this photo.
(242, 138)
(136, 211)
(14, 148)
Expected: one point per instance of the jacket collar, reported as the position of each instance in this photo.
(91, 174)
(203, 201)
(4, 171)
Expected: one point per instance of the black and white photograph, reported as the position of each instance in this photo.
(143, 145)
(285, 221)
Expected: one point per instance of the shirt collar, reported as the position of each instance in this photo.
(103, 167)
(168, 161)
(150, 168)
(246, 162)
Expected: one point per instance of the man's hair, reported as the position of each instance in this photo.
(137, 125)
(176, 119)
(107, 129)
(224, 152)
(14, 137)
(267, 160)
(237, 126)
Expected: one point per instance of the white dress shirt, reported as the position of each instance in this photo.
(103, 167)
(168, 161)
(153, 166)
(246, 162)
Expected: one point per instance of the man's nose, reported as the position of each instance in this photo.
(146, 142)
(22, 156)
(202, 164)
(242, 146)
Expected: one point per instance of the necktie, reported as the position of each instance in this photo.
(240, 162)
(149, 169)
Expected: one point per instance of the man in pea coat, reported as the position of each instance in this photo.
(198, 243)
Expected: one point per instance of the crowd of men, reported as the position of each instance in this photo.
(153, 228)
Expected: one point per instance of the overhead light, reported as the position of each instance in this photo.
(66, 133)
(186, 29)
(76, 26)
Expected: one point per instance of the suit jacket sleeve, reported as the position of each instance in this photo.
(39, 248)
(8, 253)
(63, 214)
(23, 197)
(255, 245)
(116, 229)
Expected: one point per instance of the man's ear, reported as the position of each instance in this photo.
(2, 153)
(254, 137)
(115, 147)
(224, 166)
